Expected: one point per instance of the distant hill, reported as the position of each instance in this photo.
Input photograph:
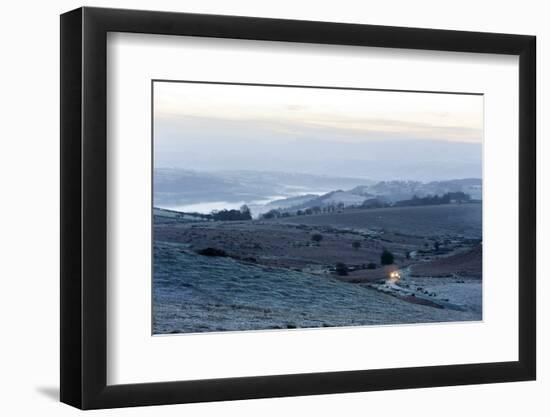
(333, 198)
(263, 191)
(292, 201)
(393, 191)
(383, 193)
(173, 187)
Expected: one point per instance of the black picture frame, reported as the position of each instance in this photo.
(84, 207)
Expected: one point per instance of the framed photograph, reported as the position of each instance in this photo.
(257, 208)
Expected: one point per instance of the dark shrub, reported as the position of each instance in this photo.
(386, 258)
(356, 244)
(371, 265)
(317, 237)
(271, 214)
(341, 269)
(212, 252)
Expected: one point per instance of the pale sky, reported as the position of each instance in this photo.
(191, 120)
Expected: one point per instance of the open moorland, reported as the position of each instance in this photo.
(425, 221)
(316, 243)
(436, 251)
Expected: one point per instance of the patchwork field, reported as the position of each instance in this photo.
(427, 243)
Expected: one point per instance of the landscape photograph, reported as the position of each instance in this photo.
(295, 207)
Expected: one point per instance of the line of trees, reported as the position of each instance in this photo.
(231, 215)
(278, 213)
(244, 212)
(432, 200)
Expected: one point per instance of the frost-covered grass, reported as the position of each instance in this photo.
(193, 293)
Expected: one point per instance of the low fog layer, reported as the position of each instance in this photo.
(340, 133)
(422, 160)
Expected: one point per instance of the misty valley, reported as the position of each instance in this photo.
(256, 250)
(286, 207)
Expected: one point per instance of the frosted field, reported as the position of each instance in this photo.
(193, 293)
